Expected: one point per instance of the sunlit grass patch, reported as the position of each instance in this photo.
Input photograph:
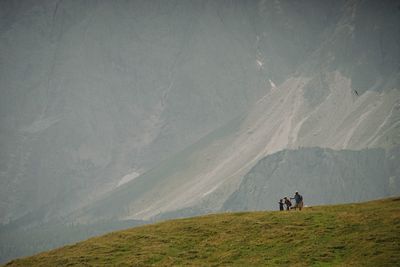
(366, 234)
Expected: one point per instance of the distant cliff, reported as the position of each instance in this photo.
(322, 176)
(145, 109)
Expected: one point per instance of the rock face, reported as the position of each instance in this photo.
(114, 110)
(322, 176)
(93, 91)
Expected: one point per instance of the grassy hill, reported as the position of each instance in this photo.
(366, 234)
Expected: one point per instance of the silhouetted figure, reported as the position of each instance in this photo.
(287, 203)
(298, 200)
(355, 91)
(281, 204)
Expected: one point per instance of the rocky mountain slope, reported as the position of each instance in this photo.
(319, 108)
(323, 176)
(95, 91)
(152, 109)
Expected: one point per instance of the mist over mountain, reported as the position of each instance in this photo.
(94, 91)
(325, 176)
(140, 110)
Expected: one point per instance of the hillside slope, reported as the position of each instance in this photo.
(139, 110)
(325, 106)
(366, 234)
(325, 176)
(95, 94)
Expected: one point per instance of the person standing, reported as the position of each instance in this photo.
(298, 200)
(281, 204)
(288, 203)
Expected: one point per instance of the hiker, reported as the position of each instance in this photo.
(288, 203)
(281, 204)
(298, 199)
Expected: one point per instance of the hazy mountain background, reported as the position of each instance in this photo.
(114, 113)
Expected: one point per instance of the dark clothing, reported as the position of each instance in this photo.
(298, 198)
(281, 206)
(299, 201)
(288, 204)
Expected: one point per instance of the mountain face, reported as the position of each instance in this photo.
(323, 176)
(94, 92)
(150, 109)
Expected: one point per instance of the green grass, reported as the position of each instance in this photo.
(366, 234)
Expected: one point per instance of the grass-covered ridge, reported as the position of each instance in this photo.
(366, 234)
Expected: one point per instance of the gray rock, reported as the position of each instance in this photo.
(322, 176)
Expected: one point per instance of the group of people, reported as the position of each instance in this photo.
(286, 201)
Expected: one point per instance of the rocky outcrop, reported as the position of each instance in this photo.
(322, 176)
